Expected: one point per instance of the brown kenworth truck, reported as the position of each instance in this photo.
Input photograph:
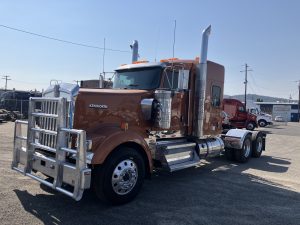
(164, 116)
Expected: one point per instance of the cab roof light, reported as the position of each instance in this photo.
(167, 60)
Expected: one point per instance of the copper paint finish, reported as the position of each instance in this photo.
(103, 125)
(213, 120)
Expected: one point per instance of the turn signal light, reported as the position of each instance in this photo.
(167, 60)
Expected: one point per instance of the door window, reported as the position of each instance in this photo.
(216, 96)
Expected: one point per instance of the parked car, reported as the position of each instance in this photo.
(279, 119)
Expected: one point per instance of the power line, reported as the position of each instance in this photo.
(61, 40)
(251, 87)
(254, 81)
(6, 78)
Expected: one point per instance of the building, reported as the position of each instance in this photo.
(288, 110)
(14, 100)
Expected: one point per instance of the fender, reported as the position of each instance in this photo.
(234, 138)
(111, 138)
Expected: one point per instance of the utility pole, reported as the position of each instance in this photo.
(246, 81)
(6, 78)
(299, 101)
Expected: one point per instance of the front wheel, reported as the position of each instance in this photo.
(121, 177)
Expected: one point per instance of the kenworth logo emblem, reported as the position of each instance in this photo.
(98, 106)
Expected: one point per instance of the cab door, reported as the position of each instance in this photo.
(178, 81)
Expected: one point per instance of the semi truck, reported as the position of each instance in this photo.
(262, 119)
(157, 116)
(239, 117)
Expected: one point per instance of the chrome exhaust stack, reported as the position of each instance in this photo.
(101, 81)
(135, 51)
(200, 91)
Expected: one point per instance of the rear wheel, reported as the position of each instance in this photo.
(257, 145)
(242, 155)
(121, 177)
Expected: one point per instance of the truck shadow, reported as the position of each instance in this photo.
(217, 192)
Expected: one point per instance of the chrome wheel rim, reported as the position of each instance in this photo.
(247, 147)
(124, 177)
(259, 144)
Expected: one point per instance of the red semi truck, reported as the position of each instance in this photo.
(164, 115)
(239, 117)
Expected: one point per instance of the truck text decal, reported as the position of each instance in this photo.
(98, 106)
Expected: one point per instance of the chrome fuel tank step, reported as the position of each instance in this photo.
(176, 154)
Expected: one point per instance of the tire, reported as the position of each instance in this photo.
(262, 123)
(243, 155)
(120, 178)
(229, 153)
(257, 145)
(250, 126)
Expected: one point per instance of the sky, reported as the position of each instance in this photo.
(263, 34)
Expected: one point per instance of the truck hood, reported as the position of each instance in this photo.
(96, 109)
(265, 114)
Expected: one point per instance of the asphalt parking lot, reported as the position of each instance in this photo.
(262, 191)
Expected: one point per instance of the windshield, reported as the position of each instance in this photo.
(138, 78)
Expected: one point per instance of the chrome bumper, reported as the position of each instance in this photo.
(46, 147)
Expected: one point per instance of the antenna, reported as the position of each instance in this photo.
(156, 45)
(103, 58)
(174, 39)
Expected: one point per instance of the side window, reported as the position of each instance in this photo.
(167, 80)
(241, 109)
(216, 96)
